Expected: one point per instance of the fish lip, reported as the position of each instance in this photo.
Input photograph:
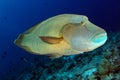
(99, 35)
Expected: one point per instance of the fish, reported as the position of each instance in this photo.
(4, 54)
(23, 59)
(62, 35)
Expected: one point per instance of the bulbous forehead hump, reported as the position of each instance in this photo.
(79, 18)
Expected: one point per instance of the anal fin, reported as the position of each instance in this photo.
(54, 55)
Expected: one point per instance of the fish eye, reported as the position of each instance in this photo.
(82, 23)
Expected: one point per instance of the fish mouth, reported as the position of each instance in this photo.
(100, 38)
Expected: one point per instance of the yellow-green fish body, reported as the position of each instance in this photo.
(63, 34)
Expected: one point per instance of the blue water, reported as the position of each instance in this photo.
(16, 16)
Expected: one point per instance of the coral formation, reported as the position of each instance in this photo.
(100, 64)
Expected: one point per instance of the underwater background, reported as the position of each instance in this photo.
(16, 16)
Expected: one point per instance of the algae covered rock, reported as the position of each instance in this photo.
(100, 64)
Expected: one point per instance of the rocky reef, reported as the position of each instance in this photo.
(100, 64)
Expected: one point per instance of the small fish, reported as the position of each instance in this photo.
(4, 54)
(64, 34)
(23, 59)
(11, 62)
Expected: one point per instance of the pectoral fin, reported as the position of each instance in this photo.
(51, 40)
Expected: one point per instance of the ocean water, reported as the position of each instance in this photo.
(16, 16)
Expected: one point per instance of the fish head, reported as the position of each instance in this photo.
(84, 36)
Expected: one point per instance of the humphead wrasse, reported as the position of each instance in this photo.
(64, 34)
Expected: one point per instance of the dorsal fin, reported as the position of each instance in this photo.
(51, 40)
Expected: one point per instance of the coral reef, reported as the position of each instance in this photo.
(100, 64)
